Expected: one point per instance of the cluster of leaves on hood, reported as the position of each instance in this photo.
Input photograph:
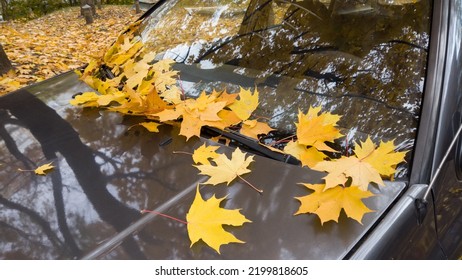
(140, 85)
(129, 80)
(55, 43)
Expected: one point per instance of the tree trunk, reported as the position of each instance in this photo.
(5, 64)
(43, 124)
(4, 9)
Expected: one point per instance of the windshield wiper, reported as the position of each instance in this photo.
(253, 145)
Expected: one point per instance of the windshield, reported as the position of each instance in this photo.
(364, 60)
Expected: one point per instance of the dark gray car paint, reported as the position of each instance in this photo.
(393, 234)
(88, 148)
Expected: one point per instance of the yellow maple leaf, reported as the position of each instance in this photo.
(150, 126)
(328, 204)
(246, 104)
(315, 128)
(228, 118)
(206, 219)
(104, 87)
(142, 105)
(196, 113)
(383, 158)
(42, 169)
(203, 153)
(308, 156)
(86, 99)
(105, 100)
(338, 171)
(135, 73)
(126, 51)
(152, 103)
(253, 128)
(170, 114)
(229, 98)
(205, 107)
(364, 167)
(226, 170)
(171, 95)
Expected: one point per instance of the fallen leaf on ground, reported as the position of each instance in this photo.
(57, 42)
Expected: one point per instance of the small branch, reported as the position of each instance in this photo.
(250, 185)
(163, 215)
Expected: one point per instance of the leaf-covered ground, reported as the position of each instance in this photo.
(44, 47)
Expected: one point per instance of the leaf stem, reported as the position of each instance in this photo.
(284, 139)
(183, 95)
(261, 117)
(163, 215)
(25, 170)
(182, 152)
(250, 185)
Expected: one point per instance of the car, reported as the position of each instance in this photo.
(390, 68)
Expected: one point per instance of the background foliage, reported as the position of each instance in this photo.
(29, 9)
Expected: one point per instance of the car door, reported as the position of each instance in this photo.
(431, 231)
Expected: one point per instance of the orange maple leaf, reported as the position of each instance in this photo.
(138, 104)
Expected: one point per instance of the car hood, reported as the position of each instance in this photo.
(107, 171)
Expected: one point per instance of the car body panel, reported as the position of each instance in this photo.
(438, 235)
(107, 170)
(106, 173)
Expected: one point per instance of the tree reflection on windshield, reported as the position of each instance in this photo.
(361, 59)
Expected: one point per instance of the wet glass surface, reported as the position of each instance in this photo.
(361, 59)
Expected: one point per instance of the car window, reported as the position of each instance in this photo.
(364, 60)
